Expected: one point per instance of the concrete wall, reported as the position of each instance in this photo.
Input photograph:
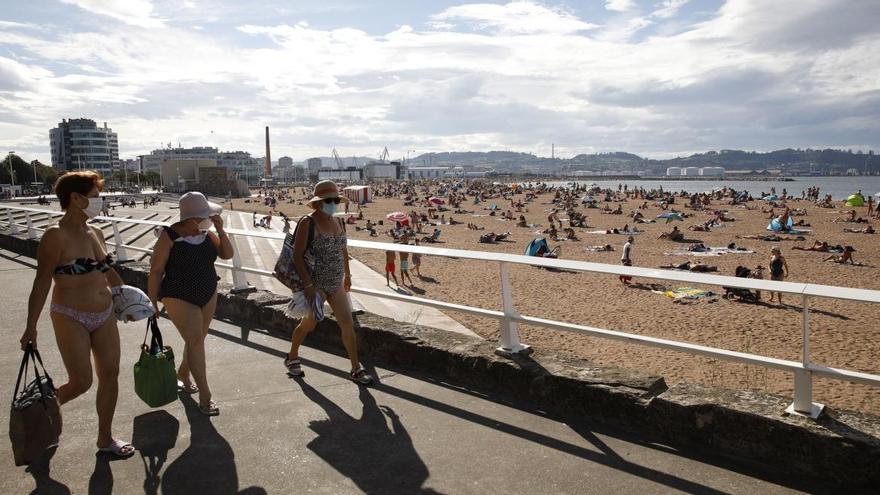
(842, 446)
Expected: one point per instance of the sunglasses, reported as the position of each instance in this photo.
(333, 200)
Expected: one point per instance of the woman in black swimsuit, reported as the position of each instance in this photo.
(183, 277)
(778, 270)
(74, 255)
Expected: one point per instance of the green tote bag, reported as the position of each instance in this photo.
(155, 378)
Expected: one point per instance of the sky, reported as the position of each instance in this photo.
(659, 78)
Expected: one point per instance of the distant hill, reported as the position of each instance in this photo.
(788, 160)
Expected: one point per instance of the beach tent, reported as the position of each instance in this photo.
(535, 246)
(358, 194)
(434, 200)
(855, 200)
(775, 226)
(771, 197)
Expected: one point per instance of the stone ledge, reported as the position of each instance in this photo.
(843, 446)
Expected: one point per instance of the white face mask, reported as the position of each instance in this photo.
(94, 207)
(206, 224)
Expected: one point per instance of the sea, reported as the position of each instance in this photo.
(838, 187)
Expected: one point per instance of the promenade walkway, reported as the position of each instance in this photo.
(324, 434)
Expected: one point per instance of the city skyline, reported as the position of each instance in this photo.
(656, 78)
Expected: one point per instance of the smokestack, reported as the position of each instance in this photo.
(268, 172)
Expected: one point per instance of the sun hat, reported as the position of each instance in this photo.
(326, 189)
(194, 205)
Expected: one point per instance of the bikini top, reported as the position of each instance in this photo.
(81, 266)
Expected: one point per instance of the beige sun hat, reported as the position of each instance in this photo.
(195, 205)
(326, 189)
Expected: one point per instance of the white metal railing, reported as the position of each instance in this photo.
(803, 370)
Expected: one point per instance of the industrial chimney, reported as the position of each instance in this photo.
(268, 172)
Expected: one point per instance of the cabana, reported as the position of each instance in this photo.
(358, 194)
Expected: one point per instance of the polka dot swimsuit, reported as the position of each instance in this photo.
(190, 273)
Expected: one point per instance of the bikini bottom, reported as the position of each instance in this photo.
(92, 321)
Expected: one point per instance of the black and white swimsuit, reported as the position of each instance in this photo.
(329, 253)
(190, 274)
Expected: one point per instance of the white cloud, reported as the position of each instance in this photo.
(730, 81)
(513, 18)
(134, 12)
(620, 5)
(668, 8)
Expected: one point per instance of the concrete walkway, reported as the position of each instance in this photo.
(324, 434)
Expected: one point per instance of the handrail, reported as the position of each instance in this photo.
(803, 370)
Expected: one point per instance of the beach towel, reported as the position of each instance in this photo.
(712, 251)
(686, 293)
(622, 232)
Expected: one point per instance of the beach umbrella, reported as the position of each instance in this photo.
(398, 216)
(435, 200)
(771, 197)
(671, 216)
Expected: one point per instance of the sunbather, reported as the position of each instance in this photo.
(866, 230)
(844, 258)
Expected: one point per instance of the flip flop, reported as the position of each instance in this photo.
(118, 447)
(193, 388)
(209, 410)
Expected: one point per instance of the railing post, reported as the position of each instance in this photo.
(803, 404)
(31, 233)
(239, 281)
(510, 343)
(13, 229)
(121, 253)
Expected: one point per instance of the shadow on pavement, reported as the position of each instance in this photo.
(154, 435)
(378, 459)
(583, 427)
(39, 469)
(207, 466)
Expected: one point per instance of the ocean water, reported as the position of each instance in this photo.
(837, 187)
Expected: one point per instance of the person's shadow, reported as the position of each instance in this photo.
(154, 435)
(207, 466)
(39, 469)
(378, 459)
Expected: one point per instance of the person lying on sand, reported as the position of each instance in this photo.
(819, 246)
(693, 267)
(600, 249)
(771, 237)
(844, 258)
(866, 230)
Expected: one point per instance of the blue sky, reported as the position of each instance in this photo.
(656, 77)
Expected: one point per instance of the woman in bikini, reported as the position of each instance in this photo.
(183, 277)
(74, 255)
(331, 277)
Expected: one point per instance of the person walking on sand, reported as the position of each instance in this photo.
(404, 263)
(389, 269)
(183, 277)
(417, 262)
(74, 256)
(626, 258)
(330, 278)
(778, 270)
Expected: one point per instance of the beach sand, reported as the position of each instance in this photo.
(844, 334)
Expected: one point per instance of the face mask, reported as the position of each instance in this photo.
(328, 208)
(206, 224)
(94, 207)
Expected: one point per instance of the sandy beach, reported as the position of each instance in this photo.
(844, 334)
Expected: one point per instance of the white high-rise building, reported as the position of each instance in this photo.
(80, 144)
